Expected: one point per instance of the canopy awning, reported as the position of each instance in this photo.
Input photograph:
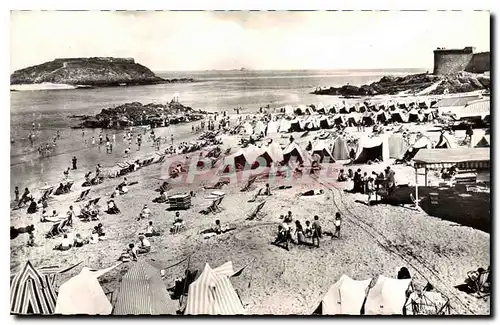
(465, 158)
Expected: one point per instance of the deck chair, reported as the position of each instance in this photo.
(212, 208)
(94, 201)
(162, 158)
(54, 230)
(83, 195)
(228, 150)
(61, 229)
(254, 198)
(249, 183)
(218, 207)
(257, 212)
(67, 187)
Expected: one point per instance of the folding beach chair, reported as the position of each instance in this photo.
(94, 201)
(211, 208)
(218, 207)
(257, 212)
(67, 187)
(162, 158)
(228, 150)
(62, 225)
(54, 230)
(249, 183)
(254, 198)
(83, 195)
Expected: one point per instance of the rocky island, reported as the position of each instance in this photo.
(136, 114)
(90, 72)
(424, 83)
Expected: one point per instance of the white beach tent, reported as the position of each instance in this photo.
(397, 145)
(340, 149)
(294, 152)
(289, 110)
(248, 128)
(82, 294)
(387, 297)
(345, 297)
(259, 128)
(213, 293)
(272, 127)
(371, 149)
(322, 148)
(284, 125)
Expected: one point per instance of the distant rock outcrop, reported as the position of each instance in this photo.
(416, 83)
(135, 114)
(96, 72)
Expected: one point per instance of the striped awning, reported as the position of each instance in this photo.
(213, 294)
(142, 292)
(31, 292)
(463, 158)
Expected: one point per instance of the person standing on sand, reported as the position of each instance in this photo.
(338, 222)
(16, 192)
(391, 184)
(83, 134)
(74, 161)
(93, 141)
(172, 138)
(114, 137)
(316, 230)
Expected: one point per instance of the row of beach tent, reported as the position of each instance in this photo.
(142, 291)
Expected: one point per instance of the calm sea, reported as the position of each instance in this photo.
(213, 91)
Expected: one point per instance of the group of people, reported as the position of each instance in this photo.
(78, 241)
(302, 234)
(368, 184)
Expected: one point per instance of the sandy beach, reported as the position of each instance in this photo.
(375, 239)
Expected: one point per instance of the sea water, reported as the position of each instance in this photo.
(212, 91)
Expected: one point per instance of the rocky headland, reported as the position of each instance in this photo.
(136, 114)
(460, 82)
(90, 72)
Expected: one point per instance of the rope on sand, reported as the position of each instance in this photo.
(388, 247)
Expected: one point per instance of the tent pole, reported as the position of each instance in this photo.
(425, 175)
(416, 187)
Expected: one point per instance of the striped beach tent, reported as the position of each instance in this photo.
(142, 292)
(213, 294)
(31, 292)
(83, 295)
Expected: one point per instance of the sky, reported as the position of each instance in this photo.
(280, 40)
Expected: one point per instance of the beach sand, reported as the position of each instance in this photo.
(375, 240)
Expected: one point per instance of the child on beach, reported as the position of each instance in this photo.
(316, 230)
(338, 222)
(16, 192)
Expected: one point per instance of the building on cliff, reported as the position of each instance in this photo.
(456, 60)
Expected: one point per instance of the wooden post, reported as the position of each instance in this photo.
(425, 176)
(416, 187)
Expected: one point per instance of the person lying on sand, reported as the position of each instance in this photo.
(144, 245)
(312, 192)
(112, 208)
(123, 189)
(65, 244)
(151, 231)
(284, 187)
(161, 199)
